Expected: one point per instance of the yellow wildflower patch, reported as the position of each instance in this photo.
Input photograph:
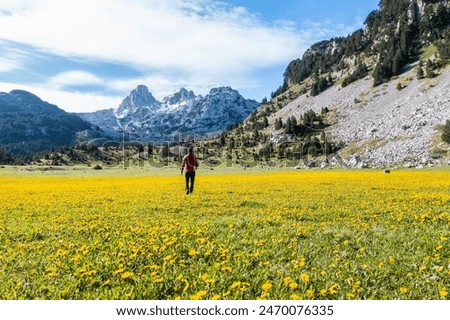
(255, 235)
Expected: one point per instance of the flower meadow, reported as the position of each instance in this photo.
(256, 235)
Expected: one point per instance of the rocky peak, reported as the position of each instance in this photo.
(139, 102)
(181, 97)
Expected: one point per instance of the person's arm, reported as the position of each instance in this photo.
(196, 163)
(183, 163)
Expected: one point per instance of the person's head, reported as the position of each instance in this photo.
(191, 150)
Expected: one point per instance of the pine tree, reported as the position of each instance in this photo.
(288, 126)
(446, 132)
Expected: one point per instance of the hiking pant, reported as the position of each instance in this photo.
(190, 176)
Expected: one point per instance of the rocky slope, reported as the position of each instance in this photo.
(383, 125)
(383, 110)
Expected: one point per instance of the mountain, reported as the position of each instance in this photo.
(379, 95)
(29, 125)
(183, 113)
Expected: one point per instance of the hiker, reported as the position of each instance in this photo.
(191, 164)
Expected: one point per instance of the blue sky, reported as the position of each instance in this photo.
(86, 55)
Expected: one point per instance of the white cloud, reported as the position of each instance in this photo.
(196, 44)
(205, 37)
(74, 78)
(69, 101)
(6, 64)
(10, 58)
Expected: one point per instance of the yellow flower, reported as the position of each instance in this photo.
(226, 269)
(106, 283)
(235, 284)
(193, 252)
(293, 285)
(443, 292)
(309, 294)
(127, 274)
(333, 289)
(287, 280)
(296, 297)
(119, 271)
(186, 287)
(350, 296)
(216, 297)
(267, 286)
(404, 290)
(323, 292)
(304, 277)
(198, 295)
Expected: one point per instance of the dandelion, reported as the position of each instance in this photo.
(193, 252)
(293, 285)
(296, 297)
(304, 277)
(333, 289)
(107, 282)
(119, 271)
(198, 295)
(235, 285)
(443, 293)
(404, 290)
(287, 281)
(127, 274)
(309, 294)
(267, 286)
(226, 269)
(216, 297)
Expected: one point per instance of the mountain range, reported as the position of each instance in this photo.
(379, 96)
(29, 125)
(183, 113)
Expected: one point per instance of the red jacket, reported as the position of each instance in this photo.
(190, 162)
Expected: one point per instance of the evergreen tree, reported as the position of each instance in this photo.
(5, 157)
(288, 126)
(446, 132)
(278, 124)
(398, 63)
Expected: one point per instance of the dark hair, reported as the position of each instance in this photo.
(191, 149)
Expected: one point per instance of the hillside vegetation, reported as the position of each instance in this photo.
(389, 80)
